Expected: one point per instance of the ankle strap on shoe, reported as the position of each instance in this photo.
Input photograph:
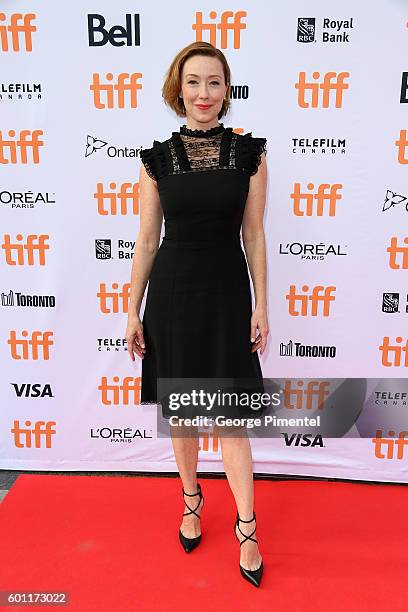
(194, 510)
(193, 494)
(242, 520)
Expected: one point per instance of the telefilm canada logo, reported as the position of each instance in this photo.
(332, 30)
(17, 92)
(94, 144)
(315, 146)
(297, 349)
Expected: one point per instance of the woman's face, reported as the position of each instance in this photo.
(203, 90)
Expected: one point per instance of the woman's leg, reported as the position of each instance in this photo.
(186, 455)
(237, 458)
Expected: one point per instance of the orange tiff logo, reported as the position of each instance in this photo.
(230, 21)
(15, 149)
(30, 347)
(309, 95)
(120, 392)
(309, 302)
(317, 202)
(313, 396)
(20, 26)
(123, 198)
(392, 354)
(391, 445)
(115, 300)
(398, 259)
(402, 145)
(28, 251)
(112, 93)
(37, 435)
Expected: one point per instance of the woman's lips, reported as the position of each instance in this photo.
(203, 106)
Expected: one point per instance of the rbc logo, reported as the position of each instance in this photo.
(118, 36)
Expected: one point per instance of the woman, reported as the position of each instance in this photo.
(198, 320)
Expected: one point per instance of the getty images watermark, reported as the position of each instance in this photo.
(298, 409)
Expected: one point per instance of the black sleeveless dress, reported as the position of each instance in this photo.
(198, 305)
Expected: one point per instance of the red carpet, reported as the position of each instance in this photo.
(112, 543)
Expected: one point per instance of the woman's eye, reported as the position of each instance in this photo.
(212, 82)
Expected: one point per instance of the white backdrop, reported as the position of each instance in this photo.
(301, 72)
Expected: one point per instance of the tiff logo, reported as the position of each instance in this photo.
(113, 93)
(402, 145)
(312, 397)
(117, 392)
(19, 27)
(396, 262)
(229, 21)
(116, 300)
(332, 81)
(29, 348)
(21, 253)
(123, 198)
(16, 151)
(391, 354)
(319, 295)
(38, 435)
(317, 202)
(390, 445)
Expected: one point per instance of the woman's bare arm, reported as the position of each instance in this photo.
(253, 238)
(147, 242)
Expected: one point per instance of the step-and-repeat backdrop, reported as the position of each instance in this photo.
(80, 95)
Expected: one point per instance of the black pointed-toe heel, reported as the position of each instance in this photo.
(253, 576)
(190, 543)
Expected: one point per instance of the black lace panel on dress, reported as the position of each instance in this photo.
(184, 152)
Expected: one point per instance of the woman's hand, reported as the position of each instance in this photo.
(134, 337)
(259, 320)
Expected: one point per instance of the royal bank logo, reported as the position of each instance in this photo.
(124, 249)
(306, 29)
(103, 248)
(391, 303)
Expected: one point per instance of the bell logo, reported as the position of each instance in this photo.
(319, 295)
(21, 253)
(38, 435)
(390, 445)
(398, 254)
(16, 151)
(124, 199)
(309, 93)
(105, 94)
(117, 392)
(402, 145)
(29, 349)
(115, 300)
(19, 28)
(310, 398)
(392, 354)
(317, 203)
(229, 21)
(117, 36)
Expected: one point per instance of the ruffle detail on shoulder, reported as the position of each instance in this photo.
(154, 160)
(251, 150)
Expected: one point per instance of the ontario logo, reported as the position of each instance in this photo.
(94, 144)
